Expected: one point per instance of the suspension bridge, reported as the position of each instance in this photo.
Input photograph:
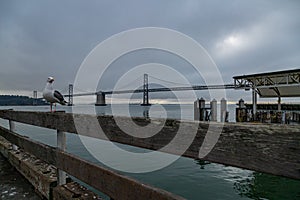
(101, 95)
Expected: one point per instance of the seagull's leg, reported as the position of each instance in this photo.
(50, 107)
(54, 107)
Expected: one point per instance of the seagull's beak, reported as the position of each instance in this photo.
(50, 80)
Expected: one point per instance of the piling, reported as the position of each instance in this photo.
(214, 112)
(223, 110)
(199, 109)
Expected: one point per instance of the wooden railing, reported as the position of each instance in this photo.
(273, 149)
(115, 185)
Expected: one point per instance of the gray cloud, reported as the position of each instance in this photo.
(43, 38)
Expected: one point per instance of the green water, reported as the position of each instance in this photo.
(13, 185)
(189, 178)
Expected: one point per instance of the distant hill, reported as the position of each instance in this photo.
(15, 100)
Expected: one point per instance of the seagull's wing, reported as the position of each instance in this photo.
(59, 96)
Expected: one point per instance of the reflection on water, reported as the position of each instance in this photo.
(146, 113)
(13, 185)
(202, 163)
(259, 185)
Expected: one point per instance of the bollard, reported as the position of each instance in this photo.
(223, 110)
(12, 128)
(61, 144)
(213, 107)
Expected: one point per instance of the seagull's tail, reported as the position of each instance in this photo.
(63, 102)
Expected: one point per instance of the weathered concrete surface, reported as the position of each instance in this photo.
(268, 148)
(107, 181)
(40, 174)
(74, 191)
(13, 185)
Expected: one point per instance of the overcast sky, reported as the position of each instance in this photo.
(43, 38)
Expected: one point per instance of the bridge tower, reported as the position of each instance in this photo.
(34, 98)
(70, 102)
(100, 101)
(146, 92)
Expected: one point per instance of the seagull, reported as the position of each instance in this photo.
(52, 96)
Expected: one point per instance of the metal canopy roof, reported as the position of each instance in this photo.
(272, 84)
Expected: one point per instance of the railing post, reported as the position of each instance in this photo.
(61, 144)
(12, 128)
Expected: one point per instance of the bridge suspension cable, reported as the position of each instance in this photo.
(131, 83)
(80, 90)
(65, 89)
(171, 82)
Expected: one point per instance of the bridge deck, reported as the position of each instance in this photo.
(162, 89)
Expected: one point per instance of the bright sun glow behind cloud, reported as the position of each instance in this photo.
(231, 45)
(233, 41)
